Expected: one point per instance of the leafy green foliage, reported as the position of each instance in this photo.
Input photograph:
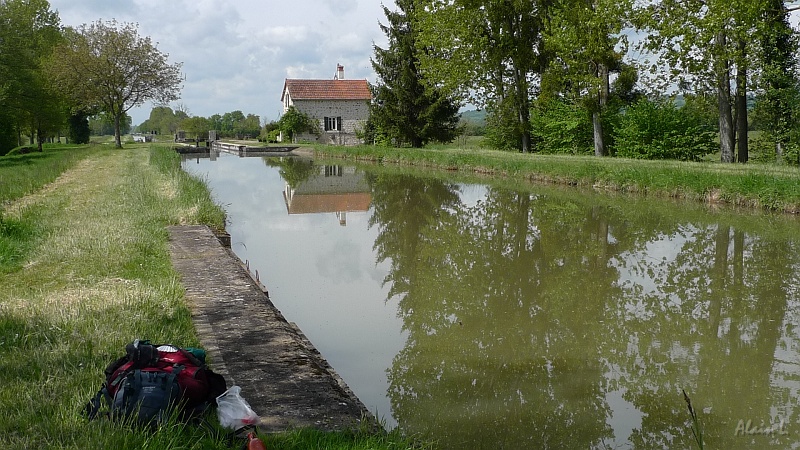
(585, 36)
(236, 124)
(778, 103)
(656, 129)
(561, 127)
(483, 52)
(107, 65)
(293, 122)
(503, 131)
(79, 128)
(270, 132)
(196, 127)
(163, 120)
(102, 124)
(29, 32)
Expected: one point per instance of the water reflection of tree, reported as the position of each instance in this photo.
(491, 308)
(710, 324)
(405, 208)
(294, 171)
(525, 312)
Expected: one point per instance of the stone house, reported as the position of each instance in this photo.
(340, 107)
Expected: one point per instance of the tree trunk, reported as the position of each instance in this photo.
(726, 135)
(117, 137)
(597, 126)
(39, 139)
(523, 110)
(597, 116)
(741, 106)
(738, 257)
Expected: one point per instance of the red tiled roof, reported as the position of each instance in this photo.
(327, 90)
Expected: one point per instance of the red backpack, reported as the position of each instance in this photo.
(151, 380)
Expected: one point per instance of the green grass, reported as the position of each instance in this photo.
(768, 186)
(90, 271)
(23, 174)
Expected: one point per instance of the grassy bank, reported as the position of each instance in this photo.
(88, 272)
(770, 187)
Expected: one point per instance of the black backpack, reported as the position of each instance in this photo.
(153, 381)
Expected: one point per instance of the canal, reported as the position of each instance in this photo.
(489, 315)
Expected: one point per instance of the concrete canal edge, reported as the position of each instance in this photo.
(283, 377)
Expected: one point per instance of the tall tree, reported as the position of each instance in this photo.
(162, 120)
(108, 66)
(779, 79)
(705, 41)
(406, 111)
(585, 35)
(489, 52)
(29, 31)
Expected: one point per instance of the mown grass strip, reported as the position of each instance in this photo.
(23, 174)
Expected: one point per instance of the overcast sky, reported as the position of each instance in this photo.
(236, 54)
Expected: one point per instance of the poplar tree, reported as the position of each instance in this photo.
(779, 82)
(407, 110)
(708, 42)
(488, 52)
(584, 36)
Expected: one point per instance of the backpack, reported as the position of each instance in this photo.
(152, 381)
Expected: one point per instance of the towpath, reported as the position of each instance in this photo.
(282, 375)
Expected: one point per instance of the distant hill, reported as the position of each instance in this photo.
(680, 101)
(477, 117)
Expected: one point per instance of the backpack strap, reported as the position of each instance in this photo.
(111, 368)
(176, 369)
(92, 408)
(192, 359)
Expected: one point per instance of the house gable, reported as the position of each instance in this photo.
(340, 106)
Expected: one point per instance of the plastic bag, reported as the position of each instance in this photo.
(233, 411)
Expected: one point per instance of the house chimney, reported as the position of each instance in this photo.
(339, 72)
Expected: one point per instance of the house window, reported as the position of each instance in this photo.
(333, 124)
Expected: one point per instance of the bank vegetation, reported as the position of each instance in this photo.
(771, 187)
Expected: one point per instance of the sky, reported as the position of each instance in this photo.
(236, 54)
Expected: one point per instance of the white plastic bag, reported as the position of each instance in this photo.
(233, 411)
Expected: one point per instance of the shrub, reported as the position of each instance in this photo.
(656, 129)
(502, 130)
(561, 127)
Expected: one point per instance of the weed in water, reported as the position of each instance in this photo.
(697, 430)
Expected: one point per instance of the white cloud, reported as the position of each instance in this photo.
(236, 55)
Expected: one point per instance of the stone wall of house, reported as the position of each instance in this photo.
(354, 114)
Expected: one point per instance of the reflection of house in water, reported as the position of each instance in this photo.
(333, 189)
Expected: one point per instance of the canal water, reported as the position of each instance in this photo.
(486, 316)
